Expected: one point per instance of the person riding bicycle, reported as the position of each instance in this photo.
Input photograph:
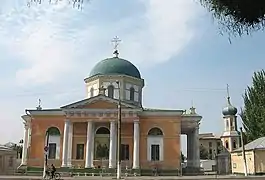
(53, 170)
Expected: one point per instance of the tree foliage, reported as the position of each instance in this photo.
(237, 17)
(203, 153)
(18, 149)
(253, 113)
(76, 3)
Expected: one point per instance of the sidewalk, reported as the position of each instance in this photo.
(138, 178)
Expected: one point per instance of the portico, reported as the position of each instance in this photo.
(190, 127)
(90, 143)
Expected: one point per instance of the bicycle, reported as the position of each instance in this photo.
(56, 176)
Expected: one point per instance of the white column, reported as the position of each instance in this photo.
(25, 144)
(92, 146)
(65, 143)
(89, 141)
(112, 149)
(70, 143)
(196, 148)
(189, 149)
(136, 143)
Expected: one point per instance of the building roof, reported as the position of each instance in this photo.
(254, 145)
(208, 136)
(115, 66)
(5, 148)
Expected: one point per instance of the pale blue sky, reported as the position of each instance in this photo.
(46, 52)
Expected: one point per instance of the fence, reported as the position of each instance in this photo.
(147, 168)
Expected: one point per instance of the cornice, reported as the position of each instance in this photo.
(93, 78)
(161, 113)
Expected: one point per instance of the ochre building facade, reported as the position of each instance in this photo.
(83, 134)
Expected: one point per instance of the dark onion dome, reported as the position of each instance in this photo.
(115, 66)
(229, 110)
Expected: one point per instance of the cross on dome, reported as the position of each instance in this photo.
(116, 41)
(39, 105)
(228, 95)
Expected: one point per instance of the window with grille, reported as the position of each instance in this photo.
(132, 94)
(111, 91)
(226, 145)
(155, 152)
(92, 92)
(52, 151)
(80, 151)
(210, 144)
(125, 152)
(234, 144)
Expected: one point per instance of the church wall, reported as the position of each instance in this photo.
(125, 84)
(78, 139)
(127, 91)
(94, 85)
(39, 126)
(105, 84)
(171, 140)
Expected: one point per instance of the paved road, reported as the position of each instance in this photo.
(139, 178)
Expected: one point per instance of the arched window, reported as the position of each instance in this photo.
(234, 144)
(53, 131)
(101, 149)
(226, 145)
(91, 92)
(156, 149)
(111, 91)
(53, 143)
(103, 130)
(132, 94)
(155, 132)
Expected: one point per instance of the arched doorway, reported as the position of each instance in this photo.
(101, 150)
(155, 144)
(54, 139)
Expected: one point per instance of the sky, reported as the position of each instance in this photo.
(47, 50)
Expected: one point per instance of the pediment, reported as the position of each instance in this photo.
(98, 102)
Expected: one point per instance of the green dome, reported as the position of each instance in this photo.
(115, 66)
(229, 110)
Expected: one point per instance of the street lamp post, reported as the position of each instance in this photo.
(46, 153)
(119, 136)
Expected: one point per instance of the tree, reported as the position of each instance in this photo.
(18, 149)
(203, 153)
(253, 113)
(237, 17)
(76, 3)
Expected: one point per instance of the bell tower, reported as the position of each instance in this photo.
(230, 137)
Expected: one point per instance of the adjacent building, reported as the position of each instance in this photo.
(255, 158)
(8, 160)
(211, 144)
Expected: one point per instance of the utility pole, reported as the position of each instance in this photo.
(243, 152)
(119, 136)
(46, 148)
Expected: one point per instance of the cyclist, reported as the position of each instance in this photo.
(53, 170)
